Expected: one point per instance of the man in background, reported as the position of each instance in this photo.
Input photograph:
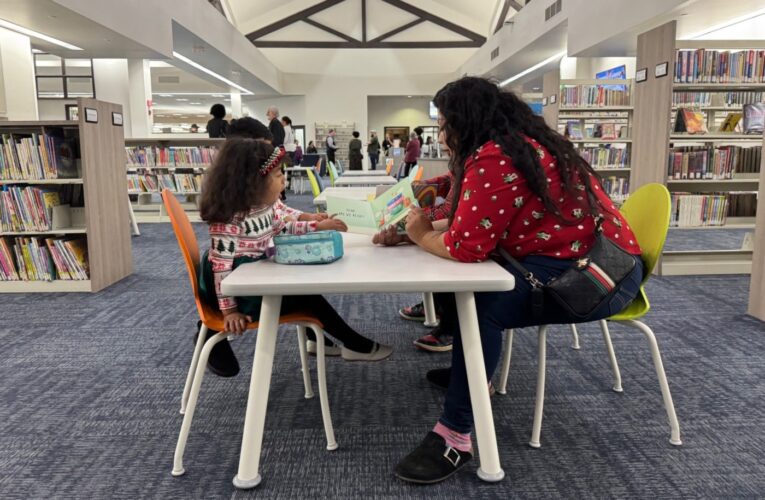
(275, 125)
(331, 146)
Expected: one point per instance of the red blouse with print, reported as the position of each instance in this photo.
(497, 208)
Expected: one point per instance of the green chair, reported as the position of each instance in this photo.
(647, 212)
(315, 188)
(332, 173)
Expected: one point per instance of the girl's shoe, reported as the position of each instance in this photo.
(329, 350)
(378, 353)
(413, 313)
(435, 341)
(432, 461)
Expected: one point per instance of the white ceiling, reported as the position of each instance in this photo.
(474, 15)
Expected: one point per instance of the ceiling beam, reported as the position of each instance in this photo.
(363, 20)
(329, 30)
(475, 37)
(397, 30)
(366, 45)
(298, 16)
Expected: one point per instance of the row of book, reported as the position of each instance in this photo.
(695, 210)
(576, 130)
(742, 204)
(617, 188)
(606, 156)
(170, 157)
(751, 120)
(177, 183)
(703, 162)
(593, 95)
(43, 259)
(31, 208)
(732, 99)
(36, 156)
(720, 66)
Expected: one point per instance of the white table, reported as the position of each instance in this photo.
(302, 178)
(365, 180)
(366, 268)
(354, 193)
(363, 173)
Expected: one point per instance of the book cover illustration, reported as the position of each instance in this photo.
(754, 118)
(369, 217)
(574, 129)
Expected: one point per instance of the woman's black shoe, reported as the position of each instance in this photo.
(439, 377)
(222, 361)
(432, 461)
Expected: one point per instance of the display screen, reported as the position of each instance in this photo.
(433, 112)
(617, 73)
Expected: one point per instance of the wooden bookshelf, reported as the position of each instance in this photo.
(106, 230)
(757, 283)
(147, 205)
(652, 140)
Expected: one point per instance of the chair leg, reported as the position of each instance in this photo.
(304, 361)
(431, 320)
(321, 368)
(502, 388)
(188, 416)
(611, 356)
(575, 335)
(193, 368)
(540, 401)
(666, 395)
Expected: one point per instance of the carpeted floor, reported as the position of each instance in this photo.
(91, 386)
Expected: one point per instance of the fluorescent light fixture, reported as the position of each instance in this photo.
(726, 24)
(35, 34)
(165, 95)
(533, 68)
(37, 51)
(201, 68)
(218, 95)
(195, 103)
(536, 88)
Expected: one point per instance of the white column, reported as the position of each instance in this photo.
(18, 92)
(139, 83)
(113, 85)
(236, 103)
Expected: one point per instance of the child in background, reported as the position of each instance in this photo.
(240, 202)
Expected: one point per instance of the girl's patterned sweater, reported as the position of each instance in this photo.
(249, 234)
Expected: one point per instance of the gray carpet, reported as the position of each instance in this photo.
(91, 385)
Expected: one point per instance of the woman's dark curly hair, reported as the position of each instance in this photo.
(477, 111)
(234, 184)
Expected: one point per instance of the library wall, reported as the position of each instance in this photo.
(18, 84)
(389, 111)
(292, 106)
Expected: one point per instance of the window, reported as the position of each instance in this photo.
(59, 78)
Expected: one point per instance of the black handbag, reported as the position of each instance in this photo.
(591, 281)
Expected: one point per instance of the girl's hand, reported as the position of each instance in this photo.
(331, 224)
(319, 217)
(235, 322)
(417, 224)
(389, 237)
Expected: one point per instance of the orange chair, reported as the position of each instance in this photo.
(419, 174)
(213, 319)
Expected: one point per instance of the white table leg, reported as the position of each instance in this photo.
(490, 469)
(430, 310)
(133, 222)
(257, 400)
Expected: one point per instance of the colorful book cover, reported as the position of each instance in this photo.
(731, 121)
(574, 129)
(370, 217)
(608, 131)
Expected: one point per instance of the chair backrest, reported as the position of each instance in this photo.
(389, 165)
(332, 174)
(339, 167)
(187, 241)
(315, 189)
(413, 172)
(419, 174)
(647, 211)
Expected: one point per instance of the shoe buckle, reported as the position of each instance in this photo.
(451, 452)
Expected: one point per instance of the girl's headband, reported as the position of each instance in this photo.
(274, 161)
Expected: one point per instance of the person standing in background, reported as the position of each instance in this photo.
(289, 137)
(298, 154)
(387, 143)
(194, 128)
(354, 152)
(275, 126)
(331, 146)
(311, 148)
(412, 153)
(427, 147)
(419, 131)
(373, 150)
(218, 126)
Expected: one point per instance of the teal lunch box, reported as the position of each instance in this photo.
(321, 247)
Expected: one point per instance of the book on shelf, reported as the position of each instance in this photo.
(43, 259)
(37, 156)
(605, 156)
(742, 204)
(719, 66)
(616, 187)
(574, 129)
(593, 95)
(608, 131)
(697, 210)
(689, 121)
(731, 122)
(29, 209)
(177, 183)
(754, 118)
(719, 99)
(722, 162)
(170, 157)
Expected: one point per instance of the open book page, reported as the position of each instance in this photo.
(369, 217)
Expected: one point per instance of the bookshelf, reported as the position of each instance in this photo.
(714, 176)
(590, 107)
(178, 163)
(73, 173)
(343, 135)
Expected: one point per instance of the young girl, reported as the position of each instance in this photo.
(240, 202)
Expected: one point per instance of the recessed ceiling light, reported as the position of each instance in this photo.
(165, 95)
(218, 95)
(182, 100)
(409, 96)
(195, 103)
(536, 88)
(210, 72)
(35, 34)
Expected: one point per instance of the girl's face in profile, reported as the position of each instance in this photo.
(275, 184)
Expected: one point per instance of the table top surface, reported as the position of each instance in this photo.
(363, 173)
(355, 193)
(365, 180)
(367, 268)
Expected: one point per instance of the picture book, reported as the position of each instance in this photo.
(690, 121)
(574, 129)
(730, 123)
(754, 118)
(369, 217)
(608, 131)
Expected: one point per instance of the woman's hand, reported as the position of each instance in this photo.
(389, 237)
(417, 224)
(235, 322)
(331, 223)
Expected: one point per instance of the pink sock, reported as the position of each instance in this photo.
(456, 440)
